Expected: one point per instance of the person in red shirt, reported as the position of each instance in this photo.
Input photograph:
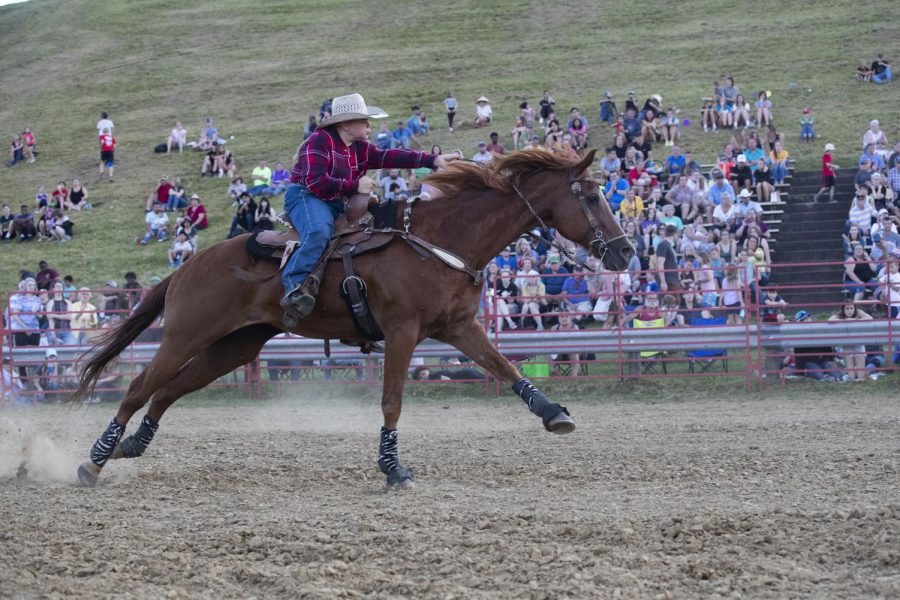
(107, 153)
(29, 141)
(829, 169)
(196, 212)
(60, 195)
(331, 165)
(159, 195)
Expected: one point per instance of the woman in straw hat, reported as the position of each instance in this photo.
(483, 112)
(331, 164)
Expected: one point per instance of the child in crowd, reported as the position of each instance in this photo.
(771, 309)
(807, 134)
(863, 72)
(708, 114)
(670, 127)
(180, 251)
(763, 110)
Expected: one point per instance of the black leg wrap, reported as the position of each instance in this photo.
(538, 403)
(106, 443)
(135, 444)
(387, 451)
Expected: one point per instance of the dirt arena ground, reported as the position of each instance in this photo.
(762, 498)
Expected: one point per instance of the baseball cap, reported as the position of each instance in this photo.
(741, 158)
(876, 238)
(50, 352)
(553, 259)
(801, 315)
(155, 280)
(482, 143)
(829, 147)
(195, 196)
(882, 211)
(111, 283)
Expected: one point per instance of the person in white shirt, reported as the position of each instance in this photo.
(890, 279)
(482, 156)
(104, 125)
(393, 177)
(726, 213)
(180, 251)
(745, 204)
(177, 137)
(483, 112)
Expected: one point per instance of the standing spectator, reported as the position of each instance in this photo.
(107, 153)
(157, 225)
(829, 171)
(483, 112)
(29, 142)
(196, 212)
(46, 276)
(450, 105)
(890, 279)
(666, 262)
(23, 225)
(177, 138)
(104, 125)
(134, 289)
(84, 315)
(881, 70)
(807, 133)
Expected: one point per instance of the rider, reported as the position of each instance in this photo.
(331, 165)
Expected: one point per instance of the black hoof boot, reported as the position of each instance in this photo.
(561, 423)
(400, 478)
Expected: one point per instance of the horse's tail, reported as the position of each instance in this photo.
(112, 344)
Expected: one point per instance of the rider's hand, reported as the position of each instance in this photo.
(441, 160)
(366, 185)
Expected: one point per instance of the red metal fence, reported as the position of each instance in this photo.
(694, 329)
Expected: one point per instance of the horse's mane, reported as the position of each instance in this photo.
(500, 173)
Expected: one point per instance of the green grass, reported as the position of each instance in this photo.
(260, 68)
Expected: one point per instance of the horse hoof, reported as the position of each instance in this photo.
(561, 423)
(117, 452)
(400, 479)
(88, 473)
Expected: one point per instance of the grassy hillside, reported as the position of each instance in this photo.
(260, 68)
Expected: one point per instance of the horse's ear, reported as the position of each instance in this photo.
(586, 163)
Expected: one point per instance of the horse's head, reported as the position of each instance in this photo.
(583, 215)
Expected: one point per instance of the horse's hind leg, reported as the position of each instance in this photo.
(471, 340)
(232, 351)
(218, 359)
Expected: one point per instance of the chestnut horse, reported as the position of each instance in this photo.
(222, 306)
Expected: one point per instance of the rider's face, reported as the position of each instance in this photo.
(358, 130)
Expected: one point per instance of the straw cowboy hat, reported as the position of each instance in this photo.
(482, 99)
(351, 108)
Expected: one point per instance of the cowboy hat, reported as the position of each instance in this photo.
(351, 108)
(482, 99)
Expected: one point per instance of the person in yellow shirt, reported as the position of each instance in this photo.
(632, 206)
(84, 315)
(262, 179)
(779, 158)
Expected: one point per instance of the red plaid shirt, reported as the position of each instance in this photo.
(331, 169)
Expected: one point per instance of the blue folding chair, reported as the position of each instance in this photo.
(707, 361)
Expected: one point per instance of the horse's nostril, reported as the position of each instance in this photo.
(627, 251)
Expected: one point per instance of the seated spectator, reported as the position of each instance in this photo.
(218, 161)
(403, 136)
(854, 355)
(6, 222)
(113, 302)
(862, 212)
(78, 197)
(708, 115)
(719, 188)
(196, 212)
(863, 72)
(771, 307)
(281, 178)
(579, 131)
(209, 136)
(495, 147)
(675, 164)
(733, 295)
(46, 276)
(553, 276)
(608, 111)
(264, 218)
(869, 155)
(505, 297)
(160, 194)
(310, 126)
(741, 112)
(615, 190)
(59, 227)
(670, 127)
(180, 251)
(262, 179)
(860, 276)
(670, 218)
(882, 249)
(244, 216)
(753, 151)
(59, 196)
(683, 198)
(177, 138)
(133, 296)
(763, 110)
(157, 222)
(632, 206)
(763, 181)
(631, 124)
(726, 215)
(23, 225)
(751, 226)
(881, 70)
(853, 237)
(532, 292)
(483, 111)
(807, 132)
(873, 134)
(236, 188)
(47, 377)
(482, 156)
(610, 162)
(384, 140)
(886, 226)
(16, 150)
(389, 182)
(741, 175)
(575, 295)
(177, 194)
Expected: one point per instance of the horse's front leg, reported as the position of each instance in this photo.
(472, 341)
(399, 350)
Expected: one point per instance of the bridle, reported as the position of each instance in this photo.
(600, 240)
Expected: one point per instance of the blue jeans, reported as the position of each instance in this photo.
(175, 202)
(779, 172)
(884, 77)
(314, 220)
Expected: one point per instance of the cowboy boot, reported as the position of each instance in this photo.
(299, 302)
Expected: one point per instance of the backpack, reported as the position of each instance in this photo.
(161, 149)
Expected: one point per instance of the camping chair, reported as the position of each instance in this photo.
(707, 361)
(653, 362)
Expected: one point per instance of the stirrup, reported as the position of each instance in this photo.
(297, 305)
